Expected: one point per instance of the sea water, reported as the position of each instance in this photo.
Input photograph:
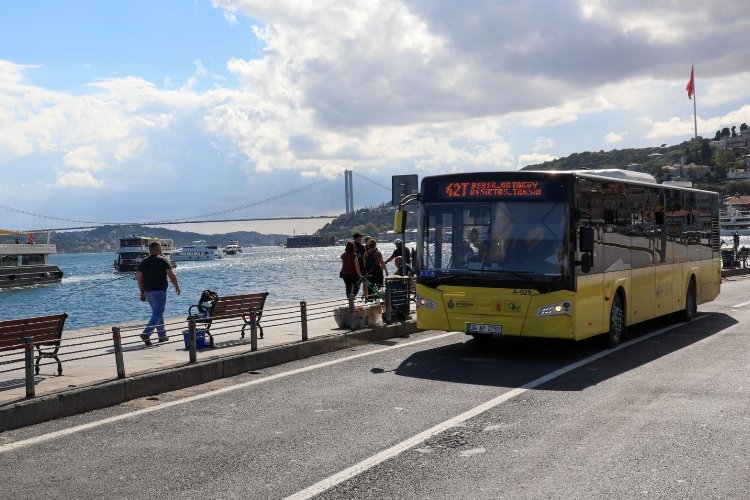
(93, 294)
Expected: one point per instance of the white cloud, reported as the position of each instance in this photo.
(543, 143)
(613, 137)
(707, 127)
(83, 158)
(533, 159)
(230, 18)
(77, 179)
(390, 87)
(727, 89)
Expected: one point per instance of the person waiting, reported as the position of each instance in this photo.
(402, 268)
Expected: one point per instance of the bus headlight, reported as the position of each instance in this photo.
(426, 303)
(565, 307)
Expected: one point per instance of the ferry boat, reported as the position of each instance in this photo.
(26, 264)
(133, 249)
(734, 220)
(198, 250)
(233, 247)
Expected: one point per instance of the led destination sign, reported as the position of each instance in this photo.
(493, 189)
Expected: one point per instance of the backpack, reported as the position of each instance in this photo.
(208, 297)
(370, 263)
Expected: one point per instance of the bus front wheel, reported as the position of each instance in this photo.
(691, 305)
(616, 331)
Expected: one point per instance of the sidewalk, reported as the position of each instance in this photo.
(87, 384)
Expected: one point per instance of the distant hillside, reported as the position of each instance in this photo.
(106, 238)
(642, 159)
(368, 221)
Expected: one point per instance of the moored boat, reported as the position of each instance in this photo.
(133, 249)
(27, 264)
(233, 247)
(734, 220)
(197, 251)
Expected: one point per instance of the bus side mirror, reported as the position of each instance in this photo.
(586, 247)
(586, 239)
(586, 262)
(399, 221)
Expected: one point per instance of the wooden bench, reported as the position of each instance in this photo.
(44, 331)
(232, 306)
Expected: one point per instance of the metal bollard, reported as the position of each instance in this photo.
(117, 339)
(28, 346)
(191, 340)
(388, 307)
(303, 318)
(253, 329)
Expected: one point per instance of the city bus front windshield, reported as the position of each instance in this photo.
(517, 238)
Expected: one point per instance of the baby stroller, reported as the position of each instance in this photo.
(206, 303)
(371, 289)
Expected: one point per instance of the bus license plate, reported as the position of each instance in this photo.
(485, 329)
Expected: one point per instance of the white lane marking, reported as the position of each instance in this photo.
(98, 423)
(423, 436)
(741, 305)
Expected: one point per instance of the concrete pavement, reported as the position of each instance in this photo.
(91, 383)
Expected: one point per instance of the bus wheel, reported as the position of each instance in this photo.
(616, 323)
(691, 306)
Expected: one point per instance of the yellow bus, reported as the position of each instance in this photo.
(566, 255)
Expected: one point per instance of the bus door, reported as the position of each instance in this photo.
(589, 314)
(641, 300)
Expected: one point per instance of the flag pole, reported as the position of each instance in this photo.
(695, 114)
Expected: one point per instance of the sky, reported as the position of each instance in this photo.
(133, 111)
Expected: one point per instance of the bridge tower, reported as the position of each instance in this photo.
(348, 192)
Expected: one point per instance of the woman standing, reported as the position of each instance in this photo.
(374, 266)
(350, 271)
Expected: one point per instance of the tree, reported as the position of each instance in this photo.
(705, 153)
(734, 131)
(718, 135)
(743, 127)
(725, 132)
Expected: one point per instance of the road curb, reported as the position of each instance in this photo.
(111, 393)
(726, 273)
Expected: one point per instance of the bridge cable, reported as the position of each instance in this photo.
(185, 219)
(387, 188)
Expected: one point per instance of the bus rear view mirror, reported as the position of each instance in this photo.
(586, 262)
(586, 240)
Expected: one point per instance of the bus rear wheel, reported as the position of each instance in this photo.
(616, 332)
(691, 305)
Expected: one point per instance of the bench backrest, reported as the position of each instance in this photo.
(238, 305)
(43, 329)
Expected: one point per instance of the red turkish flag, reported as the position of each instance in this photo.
(691, 84)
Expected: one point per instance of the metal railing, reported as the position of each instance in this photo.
(127, 339)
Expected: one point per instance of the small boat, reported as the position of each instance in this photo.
(197, 251)
(133, 249)
(27, 264)
(233, 247)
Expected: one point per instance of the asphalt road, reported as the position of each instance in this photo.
(433, 416)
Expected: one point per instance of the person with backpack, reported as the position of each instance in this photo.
(374, 267)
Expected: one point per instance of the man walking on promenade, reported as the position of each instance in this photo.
(152, 277)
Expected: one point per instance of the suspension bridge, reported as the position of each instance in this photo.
(305, 198)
